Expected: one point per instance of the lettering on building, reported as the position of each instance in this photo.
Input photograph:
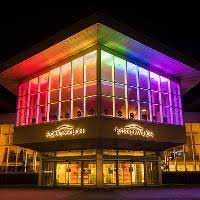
(65, 130)
(134, 130)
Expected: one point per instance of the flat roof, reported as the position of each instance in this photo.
(99, 29)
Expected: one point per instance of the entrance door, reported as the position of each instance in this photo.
(137, 173)
(89, 173)
(124, 172)
(109, 172)
(74, 173)
(152, 173)
(62, 173)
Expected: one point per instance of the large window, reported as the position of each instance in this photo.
(130, 91)
(69, 91)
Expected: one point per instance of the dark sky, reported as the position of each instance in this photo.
(175, 25)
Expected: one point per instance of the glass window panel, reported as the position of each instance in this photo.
(43, 81)
(144, 111)
(23, 89)
(154, 81)
(90, 65)
(53, 112)
(165, 99)
(78, 108)
(120, 108)
(65, 110)
(91, 88)
(143, 78)
(22, 117)
(77, 66)
(91, 106)
(164, 84)
(55, 77)
(120, 68)
(132, 72)
(33, 100)
(106, 88)
(32, 115)
(133, 109)
(54, 96)
(42, 114)
(23, 101)
(174, 88)
(78, 91)
(66, 75)
(166, 114)
(155, 113)
(107, 106)
(155, 97)
(177, 116)
(106, 65)
(132, 93)
(43, 98)
(144, 97)
(34, 86)
(65, 93)
(176, 101)
(119, 90)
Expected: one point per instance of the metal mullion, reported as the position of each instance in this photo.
(38, 101)
(72, 87)
(98, 77)
(27, 104)
(126, 91)
(59, 94)
(149, 95)
(160, 101)
(170, 102)
(84, 87)
(48, 96)
(138, 92)
(113, 85)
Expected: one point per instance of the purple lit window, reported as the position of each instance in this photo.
(143, 78)
(154, 81)
(106, 106)
(164, 84)
(156, 113)
(165, 99)
(177, 116)
(91, 106)
(175, 88)
(144, 111)
(166, 115)
(176, 101)
(120, 66)
(106, 88)
(144, 95)
(119, 90)
(133, 109)
(132, 93)
(155, 97)
(120, 108)
(132, 73)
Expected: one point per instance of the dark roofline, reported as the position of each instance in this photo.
(105, 19)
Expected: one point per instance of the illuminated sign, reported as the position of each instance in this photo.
(134, 130)
(64, 131)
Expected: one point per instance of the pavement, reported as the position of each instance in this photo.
(143, 193)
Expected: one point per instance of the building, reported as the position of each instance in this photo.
(99, 103)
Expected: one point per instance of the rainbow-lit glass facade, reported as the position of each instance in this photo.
(126, 90)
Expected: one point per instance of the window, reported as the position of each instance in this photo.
(66, 75)
(120, 108)
(91, 106)
(106, 66)
(107, 106)
(132, 93)
(119, 91)
(77, 66)
(132, 74)
(156, 113)
(78, 108)
(144, 111)
(164, 84)
(120, 68)
(78, 91)
(154, 81)
(65, 110)
(143, 78)
(106, 88)
(133, 109)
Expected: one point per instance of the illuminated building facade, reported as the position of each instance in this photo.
(98, 106)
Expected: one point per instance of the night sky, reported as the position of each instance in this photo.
(176, 26)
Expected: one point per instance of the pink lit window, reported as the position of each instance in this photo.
(34, 86)
(90, 65)
(120, 108)
(42, 114)
(78, 108)
(43, 82)
(154, 81)
(77, 66)
(78, 91)
(55, 78)
(155, 97)
(43, 98)
(23, 89)
(53, 112)
(106, 106)
(32, 115)
(54, 96)
(120, 68)
(175, 89)
(132, 93)
(91, 106)
(106, 88)
(66, 75)
(91, 88)
(65, 110)
(33, 100)
(66, 94)
(143, 78)
(22, 117)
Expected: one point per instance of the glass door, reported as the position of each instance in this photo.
(62, 173)
(152, 173)
(74, 173)
(89, 173)
(109, 172)
(137, 173)
(124, 172)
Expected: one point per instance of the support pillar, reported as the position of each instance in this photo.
(99, 168)
(40, 173)
(159, 171)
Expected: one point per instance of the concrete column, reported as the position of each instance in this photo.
(159, 171)
(40, 173)
(99, 168)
